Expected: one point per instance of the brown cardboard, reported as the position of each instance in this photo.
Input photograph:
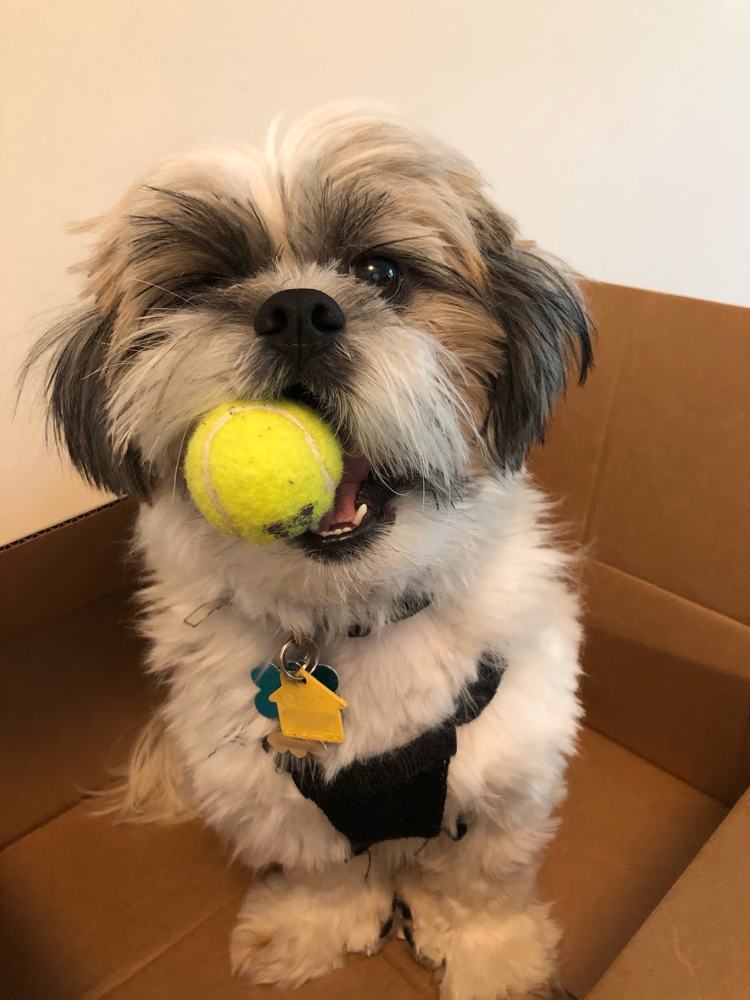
(86, 902)
(55, 571)
(94, 910)
(629, 608)
(650, 462)
(628, 830)
(696, 943)
(673, 491)
(669, 679)
(682, 716)
(197, 968)
(72, 698)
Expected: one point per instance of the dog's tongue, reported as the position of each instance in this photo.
(356, 470)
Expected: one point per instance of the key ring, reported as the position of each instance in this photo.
(309, 663)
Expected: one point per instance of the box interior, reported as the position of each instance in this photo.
(649, 466)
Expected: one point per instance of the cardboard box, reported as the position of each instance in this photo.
(649, 873)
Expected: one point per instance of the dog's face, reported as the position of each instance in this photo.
(361, 269)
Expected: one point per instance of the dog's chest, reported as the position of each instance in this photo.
(398, 684)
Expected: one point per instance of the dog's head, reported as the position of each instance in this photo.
(359, 267)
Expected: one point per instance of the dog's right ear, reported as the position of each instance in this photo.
(547, 335)
(74, 355)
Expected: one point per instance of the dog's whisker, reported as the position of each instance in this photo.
(169, 291)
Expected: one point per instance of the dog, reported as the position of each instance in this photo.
(409, 315)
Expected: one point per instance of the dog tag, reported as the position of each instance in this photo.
(300, 748)
(267, 677)
(308, 710)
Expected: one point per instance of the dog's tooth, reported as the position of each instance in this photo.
(362, 510)
(337, 531)
(347, 527)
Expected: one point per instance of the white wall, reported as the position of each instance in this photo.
(616, 132)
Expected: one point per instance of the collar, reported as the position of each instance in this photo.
(408, 606)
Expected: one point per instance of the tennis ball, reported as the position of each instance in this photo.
(262, 471)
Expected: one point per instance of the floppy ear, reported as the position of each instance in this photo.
(547, 334)
(76, 350)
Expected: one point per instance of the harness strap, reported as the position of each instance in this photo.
(400, 793)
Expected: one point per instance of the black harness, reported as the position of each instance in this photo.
(400, 793)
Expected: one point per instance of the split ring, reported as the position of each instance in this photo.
(309, 663)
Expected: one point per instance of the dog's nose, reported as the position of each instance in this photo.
(300, 322)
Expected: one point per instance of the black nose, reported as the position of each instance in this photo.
(299, 322)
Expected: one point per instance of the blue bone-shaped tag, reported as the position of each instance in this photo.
(267, 678)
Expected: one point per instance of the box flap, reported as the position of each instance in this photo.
(673, 491)
(73, 696)
(628, 831)
(696, 943)
(651, 459)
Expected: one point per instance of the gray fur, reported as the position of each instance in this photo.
(547, 330)
(76, 353)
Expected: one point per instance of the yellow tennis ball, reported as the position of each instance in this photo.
(262, 471)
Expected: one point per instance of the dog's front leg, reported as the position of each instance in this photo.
(470, 910)
(296, 925)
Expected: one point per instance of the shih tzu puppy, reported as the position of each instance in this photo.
(406, 313)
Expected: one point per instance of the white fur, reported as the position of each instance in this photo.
(498, 587)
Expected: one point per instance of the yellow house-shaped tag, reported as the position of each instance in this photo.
(308, 710)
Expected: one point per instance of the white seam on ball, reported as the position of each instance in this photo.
(207, 481)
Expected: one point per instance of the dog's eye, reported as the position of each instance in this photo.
(380, 273)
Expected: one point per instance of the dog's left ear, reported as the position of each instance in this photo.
(547, 335)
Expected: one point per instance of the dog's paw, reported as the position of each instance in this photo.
(483, 956)
(290, 931)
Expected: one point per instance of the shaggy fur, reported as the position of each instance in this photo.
(442, 383)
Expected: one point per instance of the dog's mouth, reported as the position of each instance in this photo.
(361, 506)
